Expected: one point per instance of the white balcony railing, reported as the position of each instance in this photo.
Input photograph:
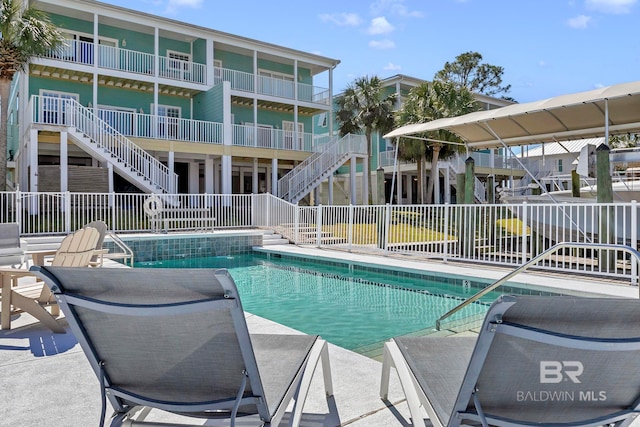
(139, 125)
(262, 137)
(245, 82)
(131, 61)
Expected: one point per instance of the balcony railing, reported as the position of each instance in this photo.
(139, 125)
(245, 82)
(251, 136)
(115, 58)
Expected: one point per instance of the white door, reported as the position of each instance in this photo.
(290, 141)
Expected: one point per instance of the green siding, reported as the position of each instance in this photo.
(165, 44)
(116, 97)
(208, 105)
(200, 51)
(84, 90)
(72, 24)
(234, 61)
(137, 41)
(174, 101)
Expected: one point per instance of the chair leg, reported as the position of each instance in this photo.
(32, 307)
(319, 351)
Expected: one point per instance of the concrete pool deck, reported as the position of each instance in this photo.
(46, 380)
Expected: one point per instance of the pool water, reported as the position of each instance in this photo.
(349, 307)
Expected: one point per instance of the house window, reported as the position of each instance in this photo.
(559, 165)
(322, 120)
(178, 65)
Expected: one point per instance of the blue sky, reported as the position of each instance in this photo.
(546, 47)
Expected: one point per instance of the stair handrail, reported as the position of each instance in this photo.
(318, 163)
(69, 112)
(326, 160)
(122, 148)
(535, 260)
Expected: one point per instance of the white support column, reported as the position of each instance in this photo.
(209, 173)
(352, 180)
(366, 177)
(399, 186)
(330, 194)
(227, 139)
(268, 181)
(96, 59)
(226, 175)
(210, 61)
(274, 177)
(33, 160)
(194, 177)
(171, 165)
(217, 180)
(447, 186)
(110, 176)
(330, 112)
(254, 179)
(64, 162)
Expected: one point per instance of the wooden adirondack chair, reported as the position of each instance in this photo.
(76, 250)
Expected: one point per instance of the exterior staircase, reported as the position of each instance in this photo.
(100, 140)
(310, 173)
(479, 190)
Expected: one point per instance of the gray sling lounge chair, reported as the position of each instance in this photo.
(177, 340)
(537, 361)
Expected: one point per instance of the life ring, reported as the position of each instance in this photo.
(152, 205)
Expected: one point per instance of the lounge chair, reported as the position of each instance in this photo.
(562, 361)
(12, 248)
(177, 340)
(76, 250)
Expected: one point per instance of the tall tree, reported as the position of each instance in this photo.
(365, 107)
(431, 101)
(468, 71)
(24, 34)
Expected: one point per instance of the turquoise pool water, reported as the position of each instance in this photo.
(349, 306)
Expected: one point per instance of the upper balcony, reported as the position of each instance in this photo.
(129, 61)
(144, 64)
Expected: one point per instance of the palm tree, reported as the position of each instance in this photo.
(365, 107)
(430, 101)
(24, 33)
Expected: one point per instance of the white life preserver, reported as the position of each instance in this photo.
(152, 206)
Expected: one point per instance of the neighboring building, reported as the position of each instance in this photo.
(489, 162)
(136, 102)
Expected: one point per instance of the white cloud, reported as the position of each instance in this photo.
(341, 19)
(174, 5)
(380, 25)
(382, 44)
(542, 63)
(392, 67)
(611, 6)
(395, 7)
(579, 22)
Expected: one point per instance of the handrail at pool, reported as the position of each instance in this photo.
(535, 260)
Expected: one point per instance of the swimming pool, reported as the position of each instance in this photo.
(350, 306)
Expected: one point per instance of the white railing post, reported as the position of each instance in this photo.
(350, 228)
(296, 223)
(634, 241)
(445, 251)
(319, 225)
(67, 211)
(523, 237)
(387, 225)
(18, 204)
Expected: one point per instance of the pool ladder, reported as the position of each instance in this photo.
(599, 246)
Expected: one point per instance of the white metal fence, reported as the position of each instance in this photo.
(489, 234)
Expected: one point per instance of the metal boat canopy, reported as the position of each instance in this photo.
(595, 113)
